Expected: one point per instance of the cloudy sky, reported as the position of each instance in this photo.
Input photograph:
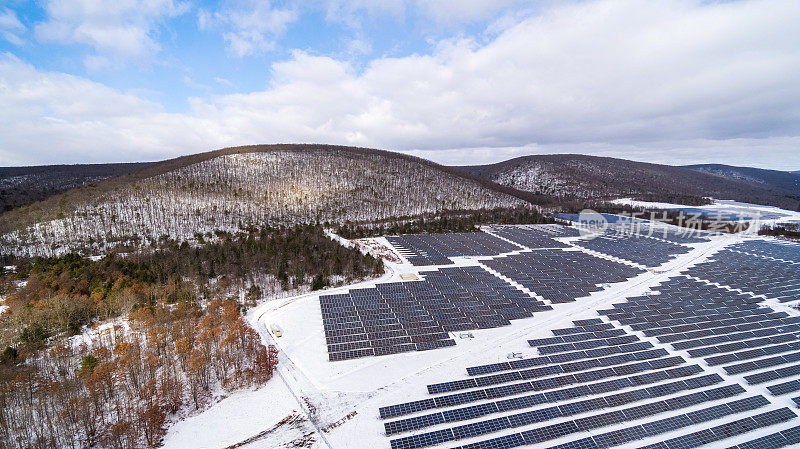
(456, 81)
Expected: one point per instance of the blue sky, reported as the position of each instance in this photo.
(459, 82)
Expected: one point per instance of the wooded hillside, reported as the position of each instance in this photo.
(235, 188)
(572, 176)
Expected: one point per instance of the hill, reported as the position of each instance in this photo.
(234, 188)
(21, 186)
(781, 180)
(580, 177)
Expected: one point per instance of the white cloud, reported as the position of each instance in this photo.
(251, 25)
(662, 81)
(11, 27)
(118, 31)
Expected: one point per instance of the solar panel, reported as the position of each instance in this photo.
(784, 387)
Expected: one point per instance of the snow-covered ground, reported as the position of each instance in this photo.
(269, 417)
(343, 397)
(766, 215)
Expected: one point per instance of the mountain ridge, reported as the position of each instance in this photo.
(284, 184)
(237, 187)
(22, 186)
(776, 178)
(583, 177)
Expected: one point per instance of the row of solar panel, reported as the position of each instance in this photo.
(533, 373)
(643, 320)
(557, 358)
(645, 313)
(734, 340)
(701, 304)
(722, 330)
(759, 349)
(739, 427)
(549, 396)
(569, 409)
(587, 344)
(390, 349)
(622, 436)
(768, 376)
(598, 421)
(763, 363)
(571, 338)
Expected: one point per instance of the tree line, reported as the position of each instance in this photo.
(444, 222)
(62, 294)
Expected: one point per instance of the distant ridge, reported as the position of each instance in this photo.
(21, 186)
(781, 180)
(581, 177)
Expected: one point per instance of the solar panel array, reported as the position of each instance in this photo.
(759, 275)
(436, 249)
(675, 234)
(561, 276)
(787, 251)
(647, 251)
(610, 218)
(728, 329)
(569, 391)
(535, 236)
(413, 316)
(597, 385)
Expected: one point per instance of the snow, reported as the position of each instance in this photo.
(767, 215)
(243, 415)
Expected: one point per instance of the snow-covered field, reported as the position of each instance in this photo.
(341, 399)
(269, 417)
(765, 215)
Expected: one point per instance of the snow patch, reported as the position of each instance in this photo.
(269, 417)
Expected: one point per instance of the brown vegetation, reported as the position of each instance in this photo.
(119, 389)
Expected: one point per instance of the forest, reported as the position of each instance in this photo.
(120, 386)
(444, 222)
(105, 352)
(785, 230)
(64, 293)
